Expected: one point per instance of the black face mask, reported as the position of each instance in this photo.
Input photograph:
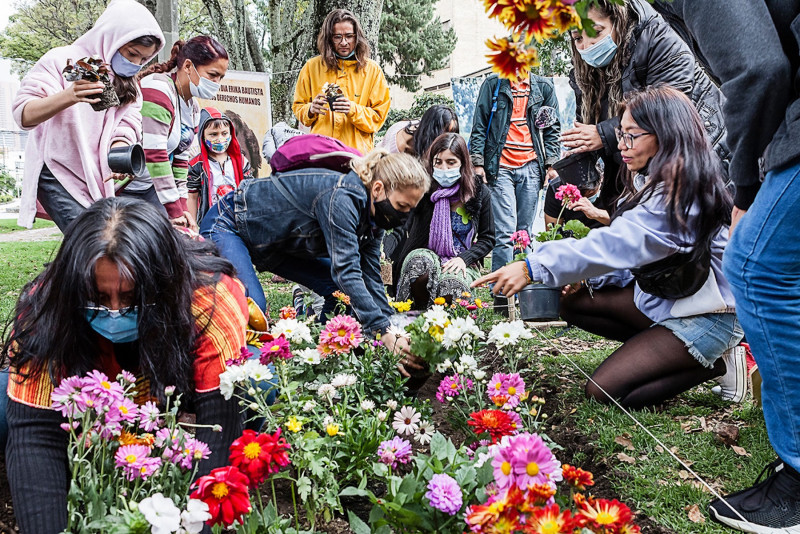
(387, 216)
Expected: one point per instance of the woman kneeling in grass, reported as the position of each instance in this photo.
(679, 330)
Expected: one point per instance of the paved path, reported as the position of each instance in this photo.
(40, 234)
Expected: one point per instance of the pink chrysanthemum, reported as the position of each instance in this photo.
(340, 335)
(105, 390)
(503, 466)
(495, 386)
(244, 355)
(123, 410)
(192, 450)
(394, 451)
(516, 420)
(64, 396)
(452, 386)
(148, 415)
(277, 349)
(131, 458)
(444, 494)
(513, 388)
(128, 377)
(532, 461)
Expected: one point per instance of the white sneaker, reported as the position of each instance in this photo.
(733, 384)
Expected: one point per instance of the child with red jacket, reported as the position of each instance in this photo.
(219, 167)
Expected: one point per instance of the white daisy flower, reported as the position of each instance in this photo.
(397, 332)
(367, 405)
(461, 330)
(391, 404)
(309, 356)
(327, 391)
(381, 415)
(424, 433)
(478, 374)
(436, 316)
(508, 333)
(309, 406)
(294, 330)
(343, 380)
(406, 421)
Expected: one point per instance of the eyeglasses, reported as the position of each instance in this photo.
(628, 137)
(338, 37)
(106, 309)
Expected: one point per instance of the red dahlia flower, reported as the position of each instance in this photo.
(496, 422)
(225, 492)
(258, 455)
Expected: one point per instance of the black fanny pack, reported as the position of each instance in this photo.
(677, 276)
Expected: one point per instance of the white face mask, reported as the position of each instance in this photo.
(447, 177)
(206, 89)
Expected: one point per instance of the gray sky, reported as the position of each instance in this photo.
(6, 10)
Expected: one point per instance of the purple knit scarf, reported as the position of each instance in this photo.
(441, 237)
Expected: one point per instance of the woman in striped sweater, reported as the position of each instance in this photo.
(169, 120)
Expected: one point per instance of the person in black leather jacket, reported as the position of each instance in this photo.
(634, 47)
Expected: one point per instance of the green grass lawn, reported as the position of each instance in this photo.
(19, 264)
(10, 225)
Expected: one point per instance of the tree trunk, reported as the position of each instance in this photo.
(294, 25)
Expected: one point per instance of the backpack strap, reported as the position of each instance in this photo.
(494, 105)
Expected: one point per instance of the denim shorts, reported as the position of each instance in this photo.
(706, 336)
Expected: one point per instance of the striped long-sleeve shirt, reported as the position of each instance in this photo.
(161, 126)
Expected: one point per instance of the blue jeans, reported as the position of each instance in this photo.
(762, 265)
(219, 224)
(515, 194)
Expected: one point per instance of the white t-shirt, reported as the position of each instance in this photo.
(221, 175)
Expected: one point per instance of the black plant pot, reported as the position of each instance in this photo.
(578, 169)
(127, 160)
(538, 302)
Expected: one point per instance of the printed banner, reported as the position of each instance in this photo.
(244, 98)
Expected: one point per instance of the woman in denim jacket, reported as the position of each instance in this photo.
(321, 229)
(673, 338)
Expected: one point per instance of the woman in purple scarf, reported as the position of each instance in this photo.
(451, 229)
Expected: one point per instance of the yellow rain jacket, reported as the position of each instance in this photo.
(366, 88)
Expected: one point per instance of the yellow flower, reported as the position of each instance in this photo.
(479, 303)
(402, 306)
(439, 301)
(332, 429)
(564, 18)
(511, 58)
(293, 424)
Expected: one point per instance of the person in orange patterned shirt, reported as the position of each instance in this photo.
(126, 292)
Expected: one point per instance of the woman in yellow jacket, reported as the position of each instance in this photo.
(344, 60)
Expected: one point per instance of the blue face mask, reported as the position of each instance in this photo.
(351, 55)
(122, 67)
(114, 325)
(601, 53)
(218, 148)
(447, 177)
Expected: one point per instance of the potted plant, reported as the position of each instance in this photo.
(538, 302)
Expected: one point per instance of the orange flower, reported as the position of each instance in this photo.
(341, 297)
(529, 17)
(126, 438)
(604, 514)
(550, 520)
(539, 494)
(563, 18)
(288, 312)
(511, 58)
(576, 477)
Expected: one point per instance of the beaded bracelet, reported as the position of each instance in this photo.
(526, 269)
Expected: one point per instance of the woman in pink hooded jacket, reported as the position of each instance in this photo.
(66, 167)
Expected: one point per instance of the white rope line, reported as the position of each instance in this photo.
(630, 415)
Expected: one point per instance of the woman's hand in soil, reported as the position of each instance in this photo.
(582, 138)
(84, 91)
(399, 345)
(507, 280)
(318, 106)
(455, 265)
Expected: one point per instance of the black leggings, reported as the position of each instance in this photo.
(650, 367)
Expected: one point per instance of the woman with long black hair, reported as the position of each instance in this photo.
(125, 292)
(676, 329)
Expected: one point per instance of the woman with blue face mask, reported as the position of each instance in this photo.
(451, 230)
(126, 292)
(633, 48)
(66, 156)
(171, 116)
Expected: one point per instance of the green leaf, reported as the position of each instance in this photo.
(439, 446)
(356, 524)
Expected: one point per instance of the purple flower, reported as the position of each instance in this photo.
(277, 349)
(516, 420)
(64, 396)
(452, 386)
(444, 494)
(128, 377)
(149, 419)
(192, 450)
(135, 461)
(104, 390)
(124, 410)
(394, 451)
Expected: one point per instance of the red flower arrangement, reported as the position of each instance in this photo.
(577, 477)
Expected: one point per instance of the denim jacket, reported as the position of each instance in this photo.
(320, 213)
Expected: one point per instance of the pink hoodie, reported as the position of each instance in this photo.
(74, 143)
